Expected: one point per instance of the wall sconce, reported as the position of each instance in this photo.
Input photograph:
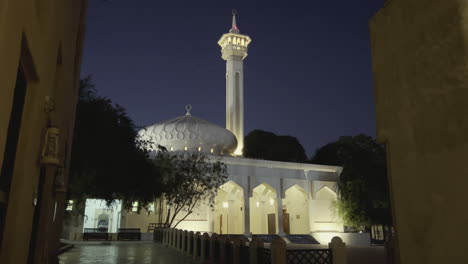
(272, 201)
(50, 149)
(225, 204)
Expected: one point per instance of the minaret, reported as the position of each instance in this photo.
(234, 50)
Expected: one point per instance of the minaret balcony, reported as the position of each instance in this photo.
(234, 50)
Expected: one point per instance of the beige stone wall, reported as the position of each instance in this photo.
(138, 220)
(46, 36)
(420, 55)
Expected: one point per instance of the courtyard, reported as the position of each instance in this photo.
(146, 252)
(143, 252)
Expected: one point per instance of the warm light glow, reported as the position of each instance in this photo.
(238, 152)
(70, 205)
(272, 201)
(225, 204)
(172, 148)
(199, 148)
(134, 206)
(185, 148)
(212, 150)
(258, 204)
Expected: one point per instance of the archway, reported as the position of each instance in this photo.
(229, 209)
(296, 213)
(264, 210)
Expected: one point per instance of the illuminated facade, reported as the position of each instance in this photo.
(260, 196)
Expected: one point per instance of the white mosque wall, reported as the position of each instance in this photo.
(99, 215)
(256, 191)
(195, 226)
(138, 220)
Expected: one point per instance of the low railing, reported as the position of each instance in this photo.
(263, 255)
(312, 256)
(238, 249)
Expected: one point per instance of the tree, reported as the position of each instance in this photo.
(107, 160)
(189, 179)
(261, 144)
(363, 185)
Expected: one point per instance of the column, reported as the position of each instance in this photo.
(210, 218)
(279, 201)
(247, 213)
(310, 191)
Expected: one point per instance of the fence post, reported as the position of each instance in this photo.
(166, 236)
(190, 242)
(254, 245)
(176, 238)
(170, 237)
(243, 242)
(185, 241)
(196, 245)
(214, 248)
(338, 248)
(278, 251)
(205, 248)
(236, 250)
(223, 240)
(181, 241)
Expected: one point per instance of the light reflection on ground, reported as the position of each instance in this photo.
(123, 252)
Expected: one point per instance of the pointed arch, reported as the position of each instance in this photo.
(325, 193)
(229, 209)
(296, 210)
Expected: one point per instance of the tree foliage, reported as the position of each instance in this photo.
(363, 185)
(107, 161)
(261, 144)
(189, 179)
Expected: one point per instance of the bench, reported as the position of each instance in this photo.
(152, 226)
(96, 234)
(129, 234)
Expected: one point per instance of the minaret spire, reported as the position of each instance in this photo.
(234, 28)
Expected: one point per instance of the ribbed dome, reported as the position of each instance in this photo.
(190, 133)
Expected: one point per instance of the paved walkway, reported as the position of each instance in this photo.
(122, 252)
(155, 253)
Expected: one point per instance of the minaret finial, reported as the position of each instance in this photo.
(188, 108)
(234, 28)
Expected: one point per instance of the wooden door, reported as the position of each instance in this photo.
(286, 226)
(221, 224)
(271, 223)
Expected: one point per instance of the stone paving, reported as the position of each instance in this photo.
(122, 252)
(150, 252)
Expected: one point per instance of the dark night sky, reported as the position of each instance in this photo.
(308, 73)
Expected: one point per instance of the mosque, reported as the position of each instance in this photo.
(260, 196)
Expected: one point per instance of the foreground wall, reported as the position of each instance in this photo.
(420, 62)
(40, 53)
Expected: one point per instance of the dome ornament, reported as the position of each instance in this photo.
(188, 108)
